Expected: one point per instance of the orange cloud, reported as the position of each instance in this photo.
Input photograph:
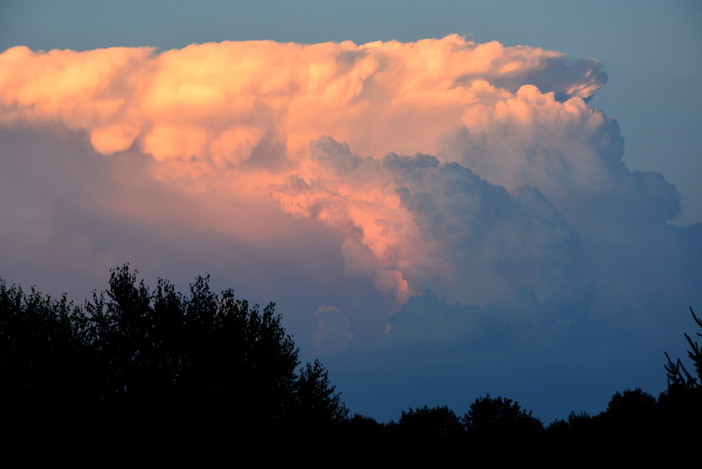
(217, 101)
(239, 118)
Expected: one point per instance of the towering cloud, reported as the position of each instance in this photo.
(413, 223)
(461, 180)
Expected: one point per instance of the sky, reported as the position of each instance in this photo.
(443, 200)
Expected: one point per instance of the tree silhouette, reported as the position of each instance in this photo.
(315, 398)
(493, 424)
(205, 377)
(677, 375)
(141, 371)
(44, 370)
(426, 422)
(680, 406)
(500, 417)
(634, 408)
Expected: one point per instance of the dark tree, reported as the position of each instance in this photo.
(426, 436)
(435, 422)
(315, 397)
(45, 370)
(500, 417)
(141, 371)
(680, 406)
(678, 376)
(495, 414)
(630, 423)
(632, 408)
(577, 427)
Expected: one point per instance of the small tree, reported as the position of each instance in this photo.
(680, 405)
(678, 376)
(316, 399)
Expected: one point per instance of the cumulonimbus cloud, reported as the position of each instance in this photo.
(414, 223)
(526, 183)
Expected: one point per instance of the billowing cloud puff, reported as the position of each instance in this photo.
(569, 151)
(222, 101)
(332, 330)
(413, 223)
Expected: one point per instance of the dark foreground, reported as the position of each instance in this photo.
(139, 375)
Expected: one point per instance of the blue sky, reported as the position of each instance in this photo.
(614, 275)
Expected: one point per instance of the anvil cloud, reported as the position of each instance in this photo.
(218, 101)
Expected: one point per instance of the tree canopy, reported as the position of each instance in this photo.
(157, 368)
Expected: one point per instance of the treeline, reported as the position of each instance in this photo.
(138, 374)
(635, 427)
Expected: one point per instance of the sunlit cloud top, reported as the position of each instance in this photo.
(218, 101)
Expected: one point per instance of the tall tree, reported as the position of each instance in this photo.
(153, 369)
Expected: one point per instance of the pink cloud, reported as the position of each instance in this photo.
(217, 101)
(264, 132)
